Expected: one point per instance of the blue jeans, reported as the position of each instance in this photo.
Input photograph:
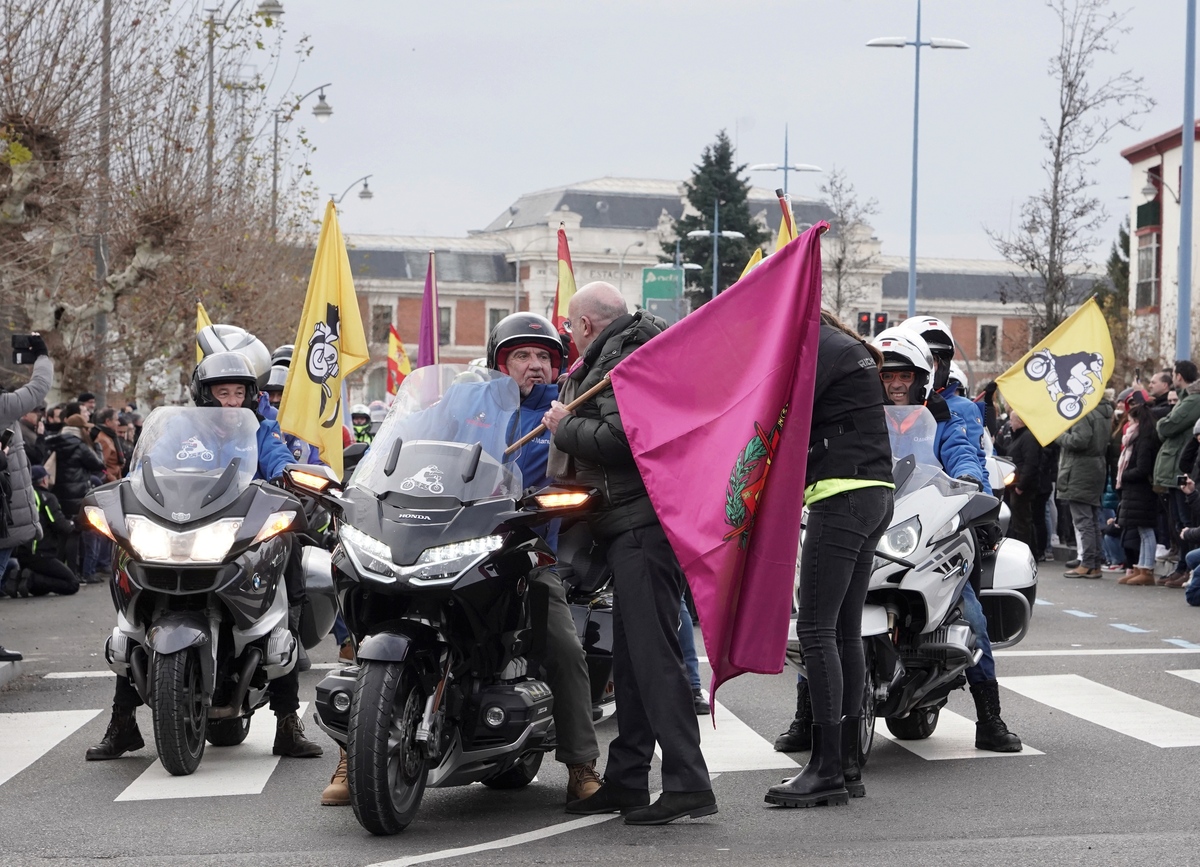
(340, 632)
(97, 551)
(687, 643)
(1192, 592)
(985, 669)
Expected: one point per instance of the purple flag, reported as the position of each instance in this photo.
(427, 337)
(717, 410)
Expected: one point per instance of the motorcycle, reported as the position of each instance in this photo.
(436, 548)
(916, 640)
(200, 549)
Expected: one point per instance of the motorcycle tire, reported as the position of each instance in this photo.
(520, 775)
(917, 726)
(180, 718)
(866, 731)
(386, 768)
(227, 732)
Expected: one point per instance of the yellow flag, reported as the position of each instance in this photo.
(755, 258)
(1061, 379)
(787, 225)
(330, 345)
(202, 322)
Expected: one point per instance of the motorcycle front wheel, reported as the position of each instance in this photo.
(386, 768)
(180, 718)
(917, 726)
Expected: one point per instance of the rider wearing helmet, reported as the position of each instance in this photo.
(907, 374)
(227, 379)
(360, 417)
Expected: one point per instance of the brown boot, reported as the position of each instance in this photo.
(582, 781)
(337, 793)
(1141, 578)
(290, 739)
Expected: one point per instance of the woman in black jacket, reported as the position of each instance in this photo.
(1135, 482)
(849, 497)
(76, 461)
(1026, 453)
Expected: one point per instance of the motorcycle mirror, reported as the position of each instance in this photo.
(472, 463)
(393, 456)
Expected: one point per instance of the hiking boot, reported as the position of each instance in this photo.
(290, 740)
(990, 731)
(1178, 582)
(582, 781)
(337, 793)
(1167, 580)
(121, 737)
(798, 737)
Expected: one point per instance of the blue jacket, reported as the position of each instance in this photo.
(534, 456)
(971, 415)
(302, 452)
(953, 446)
(273, 454)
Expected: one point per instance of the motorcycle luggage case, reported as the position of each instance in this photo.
(1008, 589)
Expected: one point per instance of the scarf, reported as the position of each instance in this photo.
(1131, 429)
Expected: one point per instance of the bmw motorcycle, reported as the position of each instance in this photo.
(198, 561)
(436, 548)
(917, 643)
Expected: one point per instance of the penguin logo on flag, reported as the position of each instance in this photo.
(322, 364)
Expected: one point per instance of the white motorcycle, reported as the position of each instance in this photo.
(917, 642)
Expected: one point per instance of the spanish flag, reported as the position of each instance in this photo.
(787, 223)
(566, 279)
(398, 366)
(330, 345)
(202, 322)
(1063, 377)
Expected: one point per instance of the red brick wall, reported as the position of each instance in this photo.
(1014, 339)
(966, 333)
(470, 322)
(408, 321)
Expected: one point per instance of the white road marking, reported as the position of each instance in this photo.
(1096, 703)
(1125, 627)
(26, 737)
(73, 675)
(241, 770)
(1182, 642)
(1102, 651)
(1075, 613)
(1042, 602)
(1187, 674)
(954, 738)
(734, 746)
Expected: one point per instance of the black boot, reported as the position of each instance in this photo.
(851, 752)
(821, 781)
(122, 737)
(290, 740)
(990, 731)
(798, 737)
(303, 663)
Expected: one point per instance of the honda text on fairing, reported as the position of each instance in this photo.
(917, 643)
(202, 610)
(436, 545)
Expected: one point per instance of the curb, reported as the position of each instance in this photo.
(9, 671)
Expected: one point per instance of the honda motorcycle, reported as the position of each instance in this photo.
(199, 556)
(916, 640)
(436, 547)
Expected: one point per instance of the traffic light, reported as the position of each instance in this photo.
(881, 322)
(864, 324)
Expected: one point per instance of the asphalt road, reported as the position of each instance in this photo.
(1105, 692)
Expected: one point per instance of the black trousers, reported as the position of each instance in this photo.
(1021, 523)
(49, 575)
(654, 700)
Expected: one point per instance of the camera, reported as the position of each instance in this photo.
(27, 348)
(1180, 481)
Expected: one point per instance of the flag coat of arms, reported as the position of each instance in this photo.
(330, 345)
(717, 410)
(398, 365)
(1063, 377)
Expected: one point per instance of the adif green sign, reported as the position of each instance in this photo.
(662, 292)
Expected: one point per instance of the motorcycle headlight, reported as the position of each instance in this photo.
(441, 563)
(154, 543)
(901, 540)
(370, 553)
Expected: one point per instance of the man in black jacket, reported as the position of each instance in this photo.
(655, 701)
(41, 570)
(1026, 453)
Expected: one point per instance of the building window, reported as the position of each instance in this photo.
(381, 320)
(495, 314)
(989, 336)
(1149, 264)
(443, 326)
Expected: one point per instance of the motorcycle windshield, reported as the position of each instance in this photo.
(913, 432)
(193, 461)
(426, 445)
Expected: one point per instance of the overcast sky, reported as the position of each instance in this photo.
(457, 108)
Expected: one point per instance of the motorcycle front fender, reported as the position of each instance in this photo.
(386, 647)
(178, 631)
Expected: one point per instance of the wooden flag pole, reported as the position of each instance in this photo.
(541, 428)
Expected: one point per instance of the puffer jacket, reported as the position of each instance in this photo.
(1083, 463)
(1026, 453)
(1174, 431)
(594, 436)
(13, 405)
(1139, 503)
(76, 463)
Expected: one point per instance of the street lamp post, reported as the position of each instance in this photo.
(322, 110)
(716, 234)
(901, 42)
(517, 277)
(365, 193)
(786, 167)
(1183, 333)
(621, 263)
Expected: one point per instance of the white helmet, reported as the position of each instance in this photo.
(231, 338)
(957, 375)
(906, 350)
(936, 333)
(360, 409)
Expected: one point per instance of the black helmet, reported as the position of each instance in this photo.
(522, 329)
(224, 367)
(282, 356)
(277, 380)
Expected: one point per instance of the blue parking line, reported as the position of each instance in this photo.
(1075, 613)
(1182, 642)
(1127, 628)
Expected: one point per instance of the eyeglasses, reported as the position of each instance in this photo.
(904, 376)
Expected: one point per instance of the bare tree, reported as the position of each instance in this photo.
(1053, 244)
(847, 253)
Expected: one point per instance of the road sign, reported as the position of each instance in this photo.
(662, 292)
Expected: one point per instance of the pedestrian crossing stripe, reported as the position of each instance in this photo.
(954, 738)
(26, 737)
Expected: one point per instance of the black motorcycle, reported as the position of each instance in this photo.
(436, 548)
(200, 551)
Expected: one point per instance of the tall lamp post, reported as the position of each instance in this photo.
(901, 42)
(517, 276)
(621, 263)
(1183, 333)
(267, 9)
(716, 234)
(786, 167)
(365, 193)
(321, 111)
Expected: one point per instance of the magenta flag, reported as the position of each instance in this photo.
(717, 409)
(427, 336)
